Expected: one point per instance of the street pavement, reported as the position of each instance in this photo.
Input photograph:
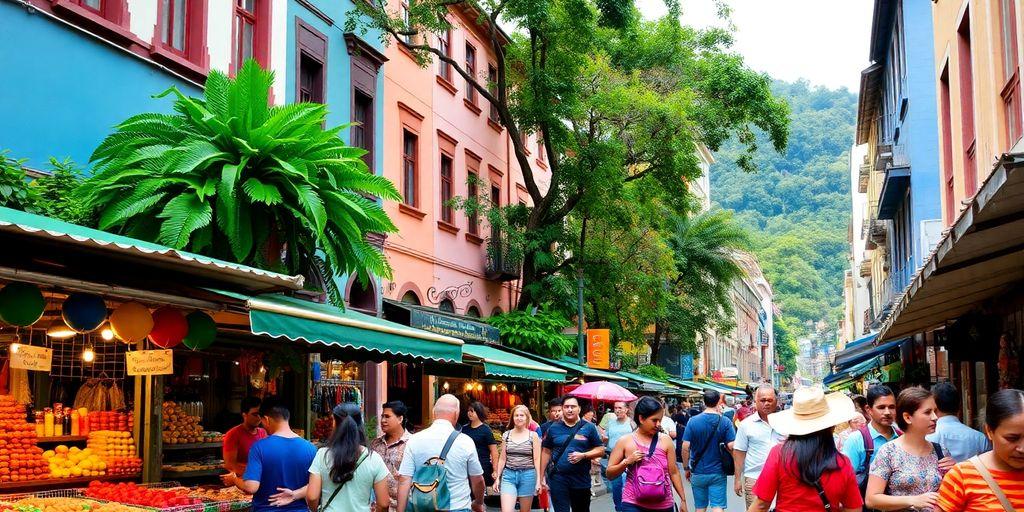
(604, 503)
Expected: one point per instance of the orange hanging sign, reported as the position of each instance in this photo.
(598, 348)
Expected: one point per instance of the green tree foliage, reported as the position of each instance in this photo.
(15, 191)
(654, 371)
(614, 99)
(797, 204)
(229, 176)
(56, 194)
(538, 332)
(785, 346)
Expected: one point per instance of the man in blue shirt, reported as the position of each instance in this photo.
(960, 441)
(881, 407)
(554, 414)
(280, 461)
(701, 438)
(567, 471)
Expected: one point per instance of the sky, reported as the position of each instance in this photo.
(822, 41)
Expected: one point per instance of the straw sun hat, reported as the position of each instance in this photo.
(812, 411)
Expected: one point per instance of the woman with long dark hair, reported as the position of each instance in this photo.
(648, 458)
(806, 471)
(483, 438)
(993, 480)
(345, 472)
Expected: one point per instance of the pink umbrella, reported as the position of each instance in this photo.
(604, 391)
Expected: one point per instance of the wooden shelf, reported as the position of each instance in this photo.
(168, 474)
(55, 483)
(61, 439)
(192, 446)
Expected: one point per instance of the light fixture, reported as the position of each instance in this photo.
(469, 386)
(479, 387)
(59, 330)
(494, 387)
(107, 333)
(445, 386)
(15, 347)
(88, 355)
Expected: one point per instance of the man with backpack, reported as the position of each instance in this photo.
(861, 447)
(440, 469)
(568, 447)
(709, 437)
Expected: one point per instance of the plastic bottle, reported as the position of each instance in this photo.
(58, 424)
(48, 422)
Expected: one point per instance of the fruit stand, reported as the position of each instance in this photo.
(128, 497)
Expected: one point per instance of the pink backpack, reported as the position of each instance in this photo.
(650, 480)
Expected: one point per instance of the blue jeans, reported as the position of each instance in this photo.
(567, 499)
(519, 482)
(708, 490)
(613, 486)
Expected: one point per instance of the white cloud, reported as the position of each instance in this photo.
(822, 41)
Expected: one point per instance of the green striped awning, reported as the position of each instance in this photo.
(278, 316)
(645, 383)
(501, 363)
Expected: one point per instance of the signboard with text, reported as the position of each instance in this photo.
(149, 362)
(686, 366)
(454, 327)
(598, 348)
(27, 357)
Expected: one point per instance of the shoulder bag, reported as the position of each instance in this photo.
(552, 468)
(1007, 506)
(325, 506)
(711, 440)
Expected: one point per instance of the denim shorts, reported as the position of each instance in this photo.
(709, 490)
(519, 482)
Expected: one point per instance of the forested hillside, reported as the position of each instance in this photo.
(797, 204)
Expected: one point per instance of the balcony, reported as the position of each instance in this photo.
(863, 178)
(878, 232)
(502, 264)
(895, 183)
(883, 157)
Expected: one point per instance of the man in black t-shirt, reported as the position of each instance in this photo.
(568, 477)
(554, 414)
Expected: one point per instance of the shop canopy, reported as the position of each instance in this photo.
(688, 384)
(854, 372)
(576, 369)
(502, 363)
(979, 257)
(24, 226)
(861, 353)
(722, 388)
(278, 316)
(644, 382)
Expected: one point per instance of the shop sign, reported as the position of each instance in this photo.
(686, 366)
(598, 348)
(454, 327)
(150, 362)
(27, 357)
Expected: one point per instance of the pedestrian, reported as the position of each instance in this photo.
(906, 473)
(518, 463)
(862, 405)
(754, 439)
(345, 473)
(464, 475)
(881, 407)
(621, 425)
(744, 411)
(807, 472)
(568, 447)
(647, 461)
(992, 480)
(703, 435)
(554, 414)
(391, 444)
(852, 428)
(240, 438)
(681, 416)
(277, 464)
(668, 426)
(960, 441)
(726, 408)
(483, 438)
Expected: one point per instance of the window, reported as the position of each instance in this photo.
(446, 188)
(471, 71)
(967, 105)
(946, 120)
(95, 5)
(251, 33)
(495, 202)
(311, 80)
(444, 42)
(472, 190)
(362, 131)
(492, 85)
(174, 24)
(447, 306)
(311, 47)
(409, 168)
(405, 20)
(410, 298)
(1011, 78)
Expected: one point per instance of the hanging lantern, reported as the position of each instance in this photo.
(202, 330)
(169, 327)
(131, 322)
(84, 312)
(21, 304)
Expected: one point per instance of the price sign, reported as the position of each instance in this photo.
(598, 348)
(150, 362)
(27, 357)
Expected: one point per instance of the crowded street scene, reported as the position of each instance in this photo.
(511, 255)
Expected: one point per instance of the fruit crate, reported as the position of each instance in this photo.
(207, 505)
(57, 493)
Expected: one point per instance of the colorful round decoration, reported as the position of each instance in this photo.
(202, 330)
(84, 312)
(21, 304)
(169, 327)
(131, 322)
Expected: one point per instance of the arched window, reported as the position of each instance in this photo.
(410, 298)
(447, 306)
(473, 312)
(496, 311)
(362, 297)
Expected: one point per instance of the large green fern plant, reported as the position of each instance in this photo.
(229, 176)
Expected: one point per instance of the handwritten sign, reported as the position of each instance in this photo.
(150, 362)
(27, 357)
(598, 348)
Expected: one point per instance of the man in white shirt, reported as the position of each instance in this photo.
(754, 439)
(465, 475)
(960, 441)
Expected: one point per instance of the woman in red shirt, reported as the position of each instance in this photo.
(806, 470)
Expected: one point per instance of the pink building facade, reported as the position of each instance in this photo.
(438, 132)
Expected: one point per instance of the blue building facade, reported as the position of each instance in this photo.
(902, 107)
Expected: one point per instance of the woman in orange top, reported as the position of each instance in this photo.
(965, 487)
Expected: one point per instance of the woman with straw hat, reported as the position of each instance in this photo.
(806, 472)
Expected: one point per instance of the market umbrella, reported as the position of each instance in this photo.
(604, 391)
